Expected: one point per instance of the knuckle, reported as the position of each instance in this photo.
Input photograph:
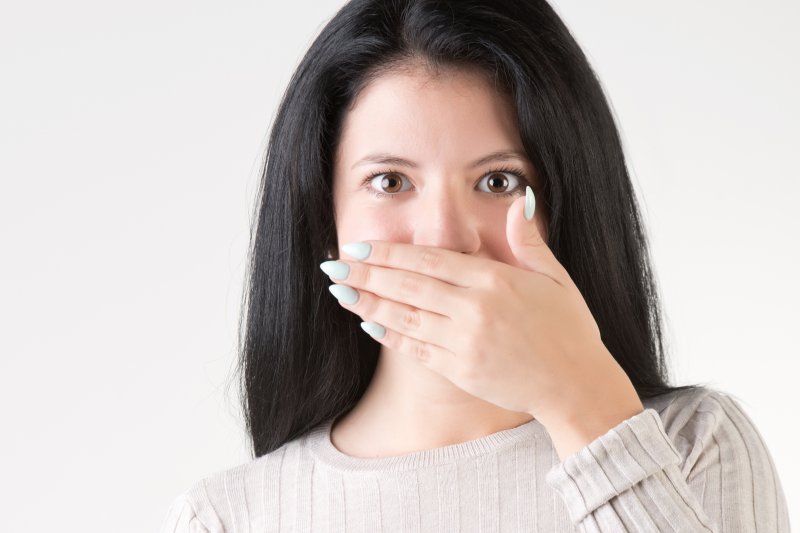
(363, 274)
(430, 261)
(410, 285)
(367, 305)
(381, 254)
(421, 351)
(481, 315)
(411, 319)
(414, 348)
(495, 281)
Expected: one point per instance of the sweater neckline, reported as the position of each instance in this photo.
(321, 447)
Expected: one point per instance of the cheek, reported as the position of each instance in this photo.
(364, 222)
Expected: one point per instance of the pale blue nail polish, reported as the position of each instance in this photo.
(530, 203)
(359, 250)
(374, 329)
(335, 269)
(344, 294)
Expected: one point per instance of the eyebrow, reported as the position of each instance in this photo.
(389, 159)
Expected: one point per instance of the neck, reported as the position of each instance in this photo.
(408, 407)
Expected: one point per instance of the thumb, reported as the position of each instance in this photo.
(526, 241)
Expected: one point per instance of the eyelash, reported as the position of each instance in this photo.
(518, 172)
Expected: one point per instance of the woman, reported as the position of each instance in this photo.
(514, 374)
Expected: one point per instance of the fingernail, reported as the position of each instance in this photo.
(335, 269)
(374, 329)
(359, 250)
(530, 203)
(344, 294)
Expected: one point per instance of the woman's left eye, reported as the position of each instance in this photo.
(499, 179)
(508, 179)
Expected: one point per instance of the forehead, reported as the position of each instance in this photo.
(455, 113)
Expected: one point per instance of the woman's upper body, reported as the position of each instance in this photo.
(547, 327)
(691, 461)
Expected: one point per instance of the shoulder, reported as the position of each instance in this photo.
(241, 494)
(723, 457)
(706, 424)
(187, 514)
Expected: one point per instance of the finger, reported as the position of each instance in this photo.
(421, 325)
(528, 245)
(458, 269)
(418, 290)
(438, 359)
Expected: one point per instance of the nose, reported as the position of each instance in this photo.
(443, 218)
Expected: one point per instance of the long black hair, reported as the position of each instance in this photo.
(303, 359)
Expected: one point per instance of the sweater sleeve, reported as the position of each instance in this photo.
(634, 478)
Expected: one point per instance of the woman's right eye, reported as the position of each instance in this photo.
(383, 184)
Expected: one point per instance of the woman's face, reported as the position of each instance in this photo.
(427, 143)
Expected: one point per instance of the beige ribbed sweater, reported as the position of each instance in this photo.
(691, 461)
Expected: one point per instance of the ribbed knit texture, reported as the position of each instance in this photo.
(691, 461)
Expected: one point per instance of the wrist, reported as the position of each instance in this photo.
(569, 435)
(591, 412)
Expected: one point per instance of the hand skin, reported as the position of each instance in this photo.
(596, 400)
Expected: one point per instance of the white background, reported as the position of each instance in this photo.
(130, 139)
